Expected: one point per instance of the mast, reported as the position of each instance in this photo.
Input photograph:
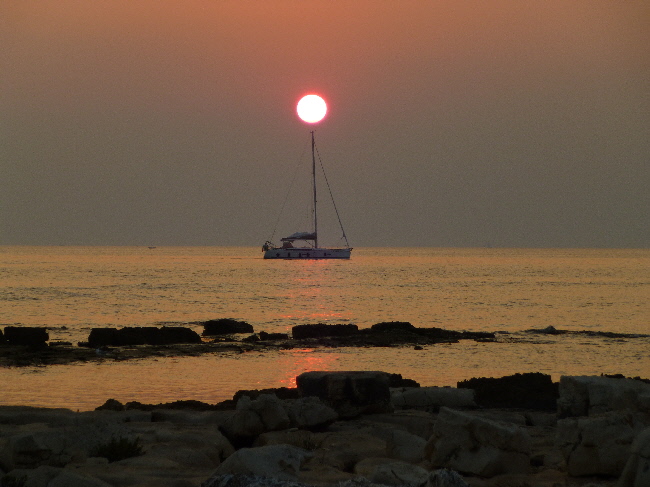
(313, 173)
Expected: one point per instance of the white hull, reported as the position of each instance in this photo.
(307, 253)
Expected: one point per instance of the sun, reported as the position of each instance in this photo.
(311, 108)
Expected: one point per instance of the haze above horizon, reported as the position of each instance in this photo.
(510, 123)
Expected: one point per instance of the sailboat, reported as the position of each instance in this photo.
(304, 245)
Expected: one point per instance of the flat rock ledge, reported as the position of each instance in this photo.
(349, 429)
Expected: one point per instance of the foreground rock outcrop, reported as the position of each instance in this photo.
(338, 429)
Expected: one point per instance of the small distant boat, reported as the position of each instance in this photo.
(304, 245)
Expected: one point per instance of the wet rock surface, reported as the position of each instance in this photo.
(302, 441)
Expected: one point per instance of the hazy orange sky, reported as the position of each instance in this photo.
(451, 123)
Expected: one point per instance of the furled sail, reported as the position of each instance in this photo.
(300, 236)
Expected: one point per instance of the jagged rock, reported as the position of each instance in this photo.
(45, 476)
(32, 336)
(301, 438)
(282, 462)
(254, 417)
(418, 423)
(637, 469)
(528, 391)
(404, 446)
(391, 472)
(432, 398)
(344, 450)
(226, 326)
(477, 446)
(446, 478)
(280, 392)
(599, 445)
(348, 393)
(587, 395)
(309, 412)
(239, 480)
(321, 330)
(32, 446)
(270, 410)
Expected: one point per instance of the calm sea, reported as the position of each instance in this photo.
(73, 289)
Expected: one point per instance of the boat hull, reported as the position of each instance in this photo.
(307, 253)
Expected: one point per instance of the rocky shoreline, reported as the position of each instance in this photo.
(31, 346)
(350, 429)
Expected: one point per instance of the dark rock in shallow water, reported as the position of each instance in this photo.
(169, 335)
(349, 393)
(226, 326)
(273, 336)
(549, 330)
(392, 326)
(100, 337)
(32, 336)
(321, 330)
(528, 391)
(141, 335)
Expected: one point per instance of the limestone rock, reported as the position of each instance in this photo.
(432, 398)
(587, 395)
(301, 438)
(473, 445)
(278, 461)
(446, 478)
(391, 472)
(239, 480)
(309, 412)
(270, 410)
(254, 417)
(45, 476)
(418, 423)
(344, 450)
(599, 445)
(637, 469)
(348, 393)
